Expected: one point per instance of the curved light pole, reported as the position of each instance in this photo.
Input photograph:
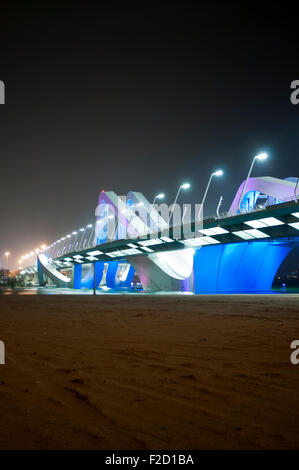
(260, 156)
(216, 173)
(184, 187)
(158, 196)
(91, 234)
(218, 207)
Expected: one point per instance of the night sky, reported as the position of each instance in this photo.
(139, 98)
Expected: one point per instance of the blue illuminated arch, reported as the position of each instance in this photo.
(237, 267)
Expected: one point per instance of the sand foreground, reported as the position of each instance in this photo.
(149, 372)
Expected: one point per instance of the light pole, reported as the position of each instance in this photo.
(218, 207)
(215, 173)
(260, 156)
(7, 253)
(184, 187)
(158, 196)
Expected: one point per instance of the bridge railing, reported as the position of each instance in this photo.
(258, 208)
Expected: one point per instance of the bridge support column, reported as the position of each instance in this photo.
(111, 274)
(93, 276)
(76, 276)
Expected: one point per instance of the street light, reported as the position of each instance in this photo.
(260, 156)
(215, 173)
(7, 253)
(158, 196)
(184, 187)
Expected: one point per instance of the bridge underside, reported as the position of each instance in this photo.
(231, 268)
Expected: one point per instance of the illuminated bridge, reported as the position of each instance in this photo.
(130, 241)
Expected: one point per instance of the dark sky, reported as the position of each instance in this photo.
(138, 98)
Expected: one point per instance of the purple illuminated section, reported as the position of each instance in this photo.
(273, 187)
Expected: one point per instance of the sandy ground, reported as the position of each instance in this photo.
(149, 372)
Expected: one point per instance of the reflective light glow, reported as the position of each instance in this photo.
(145, 248)
(167, 239)
(200, 241)
(154, 241)
(213, 231)
(177, 264)
(250, 234)
(266, 222)
(130, 251)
